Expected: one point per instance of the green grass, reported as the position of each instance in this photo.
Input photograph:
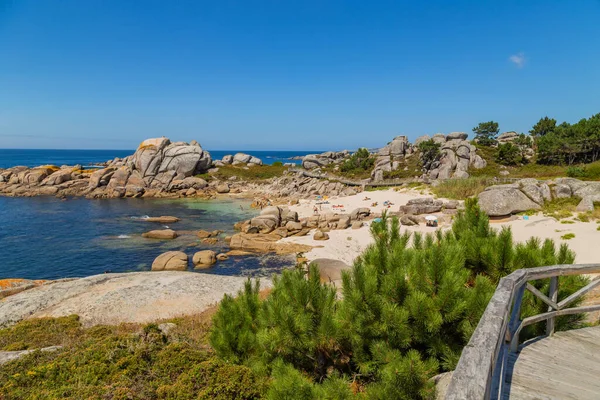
(560, 208)
(121, 362)
(460, 189)
(568, 236)
(256, 173)
(567, 221)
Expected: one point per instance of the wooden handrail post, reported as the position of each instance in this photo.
(515, 319)
(553, 295)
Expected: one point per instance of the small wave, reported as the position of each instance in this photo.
(123, 236)
(142, 217)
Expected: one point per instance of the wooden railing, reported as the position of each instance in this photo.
(385, 183)
(481, 370)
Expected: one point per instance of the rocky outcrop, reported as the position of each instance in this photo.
(157, 166)
(409, 220)
(524, 195)
(159, 156)
(300, 186)
(223, 188)
(204, 259)
(507, 137)
(320, 235)
(312, 161)
(240, 159)
(133, 297)
(171, 261)
(389, 157)
(588, 192)
(9, 287)
(502, 200)
(457, 155)
(8, 356)
(265, 243)
(160, 234)
(165, 219)
(423, 205)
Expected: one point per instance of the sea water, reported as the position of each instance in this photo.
(49, 238)
(32, 158)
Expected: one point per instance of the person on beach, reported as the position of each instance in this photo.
(316, 210)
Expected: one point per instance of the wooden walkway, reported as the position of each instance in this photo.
(565, 365)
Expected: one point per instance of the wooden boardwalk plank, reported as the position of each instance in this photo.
(563, 366)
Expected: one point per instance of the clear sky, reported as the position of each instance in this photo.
(283, 74)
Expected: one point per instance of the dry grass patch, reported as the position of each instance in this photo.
(460, 189)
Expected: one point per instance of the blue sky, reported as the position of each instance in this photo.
(289, 74)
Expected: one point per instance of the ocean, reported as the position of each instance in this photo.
(50, 238)
(32, 158)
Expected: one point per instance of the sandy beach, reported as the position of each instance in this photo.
(345, 245)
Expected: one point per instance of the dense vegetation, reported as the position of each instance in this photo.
(567, 143)
(406, 313)
(358, 164)
(553, 145)
(121, 362)
(486, 132)
(254, 173)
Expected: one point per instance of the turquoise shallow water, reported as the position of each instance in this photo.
(48, 238)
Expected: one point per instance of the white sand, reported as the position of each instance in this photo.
(347, 244)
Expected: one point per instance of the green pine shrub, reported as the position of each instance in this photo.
(408, 307)
(358, 164)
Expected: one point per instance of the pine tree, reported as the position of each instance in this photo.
(409, 305)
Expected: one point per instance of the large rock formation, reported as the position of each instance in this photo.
(457, 155)
(132, 297)
(156, 166)
(159, 159)
(501, 200)
(312, 161)
(239, 159)
(531, 194)
(507, 137)
(389, 156)
(301, 186)
(171, 261)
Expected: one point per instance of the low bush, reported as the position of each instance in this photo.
(40, 332)
(121, 362)
(359, 164)
(568, 236)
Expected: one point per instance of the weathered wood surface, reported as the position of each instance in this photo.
(481, 370)
(563, 366)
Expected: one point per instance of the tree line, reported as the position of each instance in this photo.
(553, 143)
